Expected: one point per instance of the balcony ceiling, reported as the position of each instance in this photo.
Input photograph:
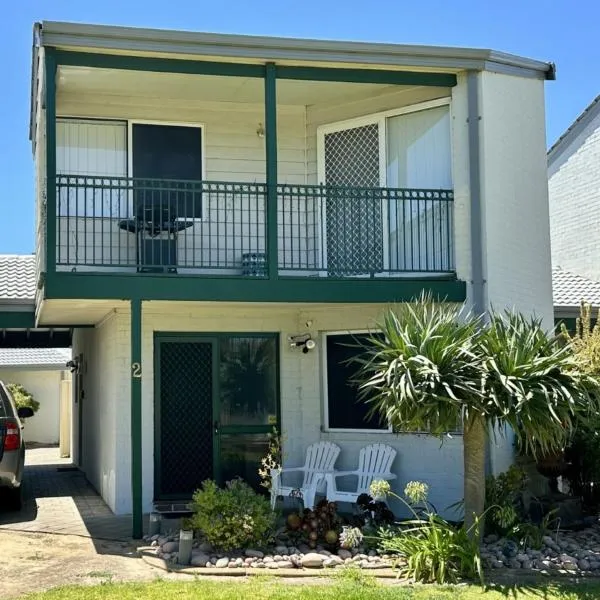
(84, 80)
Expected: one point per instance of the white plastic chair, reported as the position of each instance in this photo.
(374, 462)
(320, 459)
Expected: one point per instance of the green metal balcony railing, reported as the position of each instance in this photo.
(206, 227)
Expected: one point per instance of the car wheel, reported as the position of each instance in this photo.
(14, 498)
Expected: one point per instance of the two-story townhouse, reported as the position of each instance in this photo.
(207, 203)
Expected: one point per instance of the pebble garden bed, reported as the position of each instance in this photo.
(281, 556)
(566, 552)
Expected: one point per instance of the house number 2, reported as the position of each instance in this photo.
(136, 370)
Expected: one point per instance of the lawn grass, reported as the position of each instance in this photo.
(352, 587)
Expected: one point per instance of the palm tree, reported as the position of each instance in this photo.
(436, 365)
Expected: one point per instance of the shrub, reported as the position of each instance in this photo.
(22, 397)
(232, 517)
(504, 500)
(433, 549)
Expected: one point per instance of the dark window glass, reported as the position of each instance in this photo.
(173, 153)
(346, 410)
(248, 381)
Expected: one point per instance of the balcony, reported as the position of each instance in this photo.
(208, 228)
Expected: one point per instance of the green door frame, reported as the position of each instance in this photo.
(214, 339)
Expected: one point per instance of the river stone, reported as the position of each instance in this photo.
(254, 553)
(584, 564)
(285, 564)
(222, 562)
(281, 550)
(272, 565)
(170, 547)
(312, 560)
(268, 559)
(344, 554)
(199, 559)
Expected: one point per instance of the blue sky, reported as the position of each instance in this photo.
(558, 30)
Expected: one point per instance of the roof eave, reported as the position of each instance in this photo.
(136, 40)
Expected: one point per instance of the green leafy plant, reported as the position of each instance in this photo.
(504, 500)
(430, 548)
(232, 517)
(432, 364)
(22, 397)
(531, 535)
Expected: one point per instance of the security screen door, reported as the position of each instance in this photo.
(352, 169)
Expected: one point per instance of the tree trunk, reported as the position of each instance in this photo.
(474, 467)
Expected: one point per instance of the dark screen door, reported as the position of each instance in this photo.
(168, 152)
(183, 417)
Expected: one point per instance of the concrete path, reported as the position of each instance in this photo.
(58, 499)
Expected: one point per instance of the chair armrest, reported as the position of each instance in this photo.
(344, 473)
(291, 469)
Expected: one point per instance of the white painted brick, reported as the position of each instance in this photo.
(575, 207)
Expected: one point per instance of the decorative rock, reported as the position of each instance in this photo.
(566, 559)
(285, 564)
(205, 547)
(325, 552)
(170, 547)
(162, 540)
(254, 553)
(513, 563)
(199, 559)
(372, 553)
(344, 554)
(281, 550)
(522, 557)
(526, 564)
(497, 564)
(239, 562)
(222, 563)
(312, 560)
(260, 565)
(277, 557)
(272, 565)
(584, 564)
(268, 559)
(490, 539)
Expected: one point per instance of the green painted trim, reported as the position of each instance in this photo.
(157, 65)
(199, 67)
(50, 92)
(214, 338)
(385, 77)
(17, 319)
(271, 168)
(118, 286)
(136, 420)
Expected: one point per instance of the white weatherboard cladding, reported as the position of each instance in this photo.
(419, 456)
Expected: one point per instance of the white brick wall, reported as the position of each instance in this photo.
(103, 409)
(515, 194)
(575, 206)
(419, 457)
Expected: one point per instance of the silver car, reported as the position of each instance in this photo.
(12, 449)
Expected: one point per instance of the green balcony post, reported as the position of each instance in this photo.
(51, 223)
(136, 418)
(271, 167)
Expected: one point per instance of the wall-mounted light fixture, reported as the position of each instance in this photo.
(260, 131)
(73, 365)
(303, 341)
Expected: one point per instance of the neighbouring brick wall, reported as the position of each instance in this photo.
(575, 207)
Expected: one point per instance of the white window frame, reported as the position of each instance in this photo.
(325, 394)
(198, 125)
(381, 119)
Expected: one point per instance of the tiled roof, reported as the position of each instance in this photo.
(569, 289)
(17, 277)
(32, 357)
